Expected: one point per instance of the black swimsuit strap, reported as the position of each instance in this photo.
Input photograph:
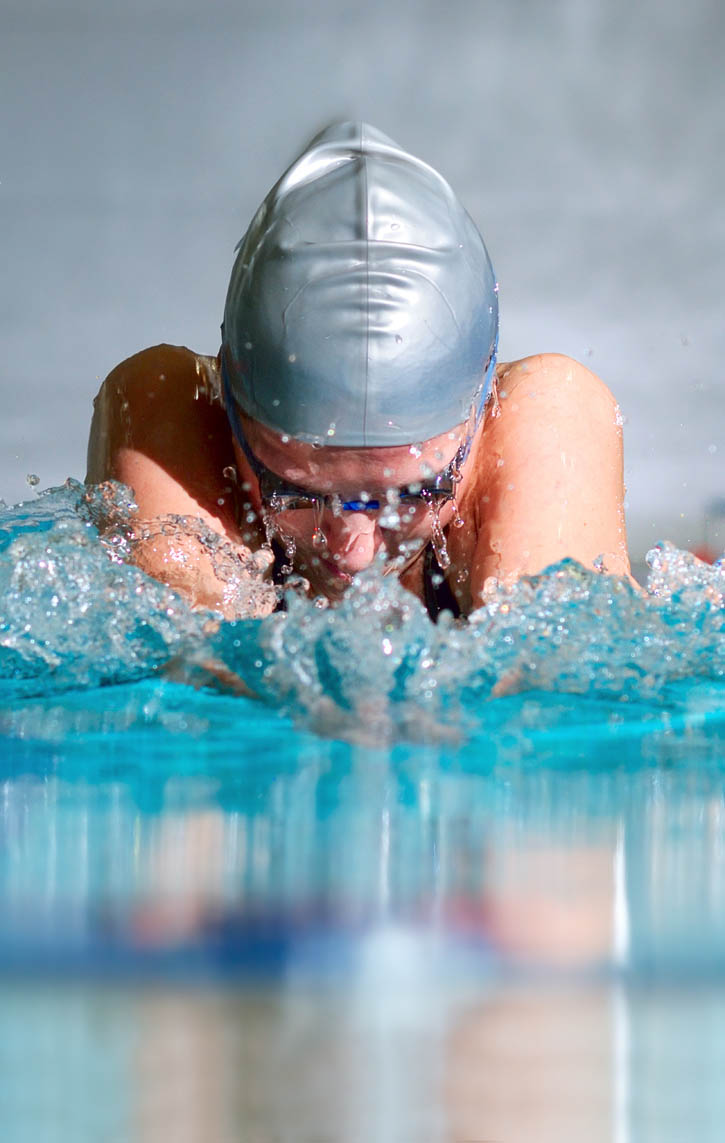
(437, 593)
(280, 561)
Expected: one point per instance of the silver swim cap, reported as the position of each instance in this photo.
(362, 308)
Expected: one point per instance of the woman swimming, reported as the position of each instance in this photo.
(356, 410)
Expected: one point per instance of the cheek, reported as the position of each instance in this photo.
(417, 519)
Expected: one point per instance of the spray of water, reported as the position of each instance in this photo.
(76, 612)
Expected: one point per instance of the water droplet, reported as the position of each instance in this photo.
(331, 430)
(32, 480)
(275, 402)
(292, 358)
(495, 397)
(248, 345)
(230, 472)
(284, 438)
(438, 538)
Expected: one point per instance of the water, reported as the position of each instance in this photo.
(434, 882)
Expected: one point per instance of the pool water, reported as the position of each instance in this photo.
(434, 882)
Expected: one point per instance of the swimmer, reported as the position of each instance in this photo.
(356, 410)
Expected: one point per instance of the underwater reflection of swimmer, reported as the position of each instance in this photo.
(533, 1063)
(355, 411)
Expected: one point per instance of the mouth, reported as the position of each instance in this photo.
(334, 570)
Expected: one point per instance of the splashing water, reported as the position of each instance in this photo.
(438, 536)
(76, 613)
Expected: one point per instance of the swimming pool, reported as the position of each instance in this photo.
(464, 881)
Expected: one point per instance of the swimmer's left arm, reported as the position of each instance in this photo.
(551, 474)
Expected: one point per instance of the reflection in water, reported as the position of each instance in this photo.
(621, 869)
(386, 1060)
(506, 942)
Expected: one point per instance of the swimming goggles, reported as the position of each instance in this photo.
(282, 496)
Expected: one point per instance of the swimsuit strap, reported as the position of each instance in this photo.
(437, 593)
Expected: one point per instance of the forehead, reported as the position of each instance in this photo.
(332, 468)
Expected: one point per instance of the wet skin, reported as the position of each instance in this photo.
(543, 479)
(332, 545)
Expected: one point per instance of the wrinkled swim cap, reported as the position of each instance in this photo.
(362, 308)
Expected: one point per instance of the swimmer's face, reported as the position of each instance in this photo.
(333, 543)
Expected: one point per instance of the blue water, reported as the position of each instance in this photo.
(406, 814)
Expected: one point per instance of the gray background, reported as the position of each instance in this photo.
(585, 137)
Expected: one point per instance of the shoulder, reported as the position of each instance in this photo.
(162, 371)
(555, 377)
(547, 403)
(160, 411)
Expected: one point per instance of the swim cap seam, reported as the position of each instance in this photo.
(367, 290)
(323, 347)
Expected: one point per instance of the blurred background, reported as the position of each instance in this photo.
(584, 136)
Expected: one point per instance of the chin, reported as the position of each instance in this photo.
(324, 577)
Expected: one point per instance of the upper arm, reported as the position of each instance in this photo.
(552, 473)
(153, 430)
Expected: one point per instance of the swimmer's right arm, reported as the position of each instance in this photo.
(154, 432)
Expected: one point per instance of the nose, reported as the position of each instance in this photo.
(352, 540)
